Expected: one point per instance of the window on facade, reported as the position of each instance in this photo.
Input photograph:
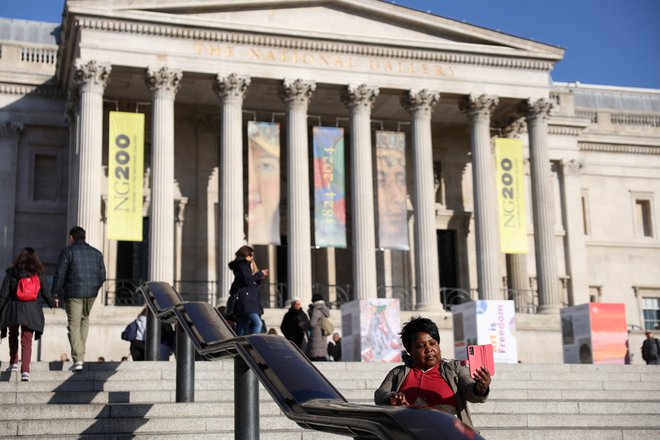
(45, 187)
(643, 223)
(651, 308)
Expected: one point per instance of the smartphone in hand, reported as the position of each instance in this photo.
(481, 356)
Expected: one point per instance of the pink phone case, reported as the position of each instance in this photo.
(481, 356)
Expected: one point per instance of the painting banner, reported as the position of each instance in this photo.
(329, 187)
(392, 206)
(511, 195)
(125, 176)
(263, 182)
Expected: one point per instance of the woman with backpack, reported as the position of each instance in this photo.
(20, 307)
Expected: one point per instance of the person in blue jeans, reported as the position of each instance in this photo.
(247, 278)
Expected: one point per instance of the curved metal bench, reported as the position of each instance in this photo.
(303, 394)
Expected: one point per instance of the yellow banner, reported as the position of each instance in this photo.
(511, 196)
(125, 176)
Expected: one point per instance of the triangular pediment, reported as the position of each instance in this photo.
(359, 21)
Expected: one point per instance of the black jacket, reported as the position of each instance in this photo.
(80, 272)
(27, 313)
(246, 285)
(294, 325)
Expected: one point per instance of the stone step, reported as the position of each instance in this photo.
(129, 425)
(557, 421)
(360, 396)
(355, 368)
(269, 408)
(275, 434)
(490, 434)
(593, 433)
(135, 400)
(132, 422)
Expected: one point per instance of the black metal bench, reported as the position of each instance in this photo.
(303, 394)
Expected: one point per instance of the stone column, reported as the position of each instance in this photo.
(9, 137)
(486, 218)
(576, 251)
(231, 90)
(359, 100)
(90, 79)
(537, 114)
(72, 119)
(420, 106)
(208, 130)
(297, 94)
(163, 84)
(178, 236)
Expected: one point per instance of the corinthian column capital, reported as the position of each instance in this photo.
(479, 106)
(10, 130)
(536, 110)
(362, 96)
(232, 86)
(422, 101)
(91, 75)
(571, 167)
(163, 80)
(298, 92)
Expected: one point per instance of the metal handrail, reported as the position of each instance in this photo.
(123, 292)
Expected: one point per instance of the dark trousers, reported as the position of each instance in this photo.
(26, 346)
(137, 350)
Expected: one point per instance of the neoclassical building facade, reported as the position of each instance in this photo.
(200, 70)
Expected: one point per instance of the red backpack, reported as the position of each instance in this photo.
(28, 288)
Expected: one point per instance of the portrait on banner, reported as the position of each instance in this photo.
(392, 191)
(263, 183)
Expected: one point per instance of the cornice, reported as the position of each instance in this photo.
(616, 148)
(20, 89)
(622, 245)
(295, 43)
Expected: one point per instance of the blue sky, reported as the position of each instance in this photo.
(610, 42)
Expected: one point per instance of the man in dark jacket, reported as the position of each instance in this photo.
(79, 275)
(295, 323)
(651, 349)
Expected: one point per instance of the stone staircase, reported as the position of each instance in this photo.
(137, 400)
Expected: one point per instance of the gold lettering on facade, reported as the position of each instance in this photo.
(214, 50)
(308, 58)
(318, 59)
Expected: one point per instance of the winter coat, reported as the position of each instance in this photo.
(294, 326)
(455, 374)
(80, 272)
(651, 350)
(246, 285)
(318, 344)
(27, 313)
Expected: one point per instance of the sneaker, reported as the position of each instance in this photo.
(25, 377)
(78, 366)
(12, 367)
